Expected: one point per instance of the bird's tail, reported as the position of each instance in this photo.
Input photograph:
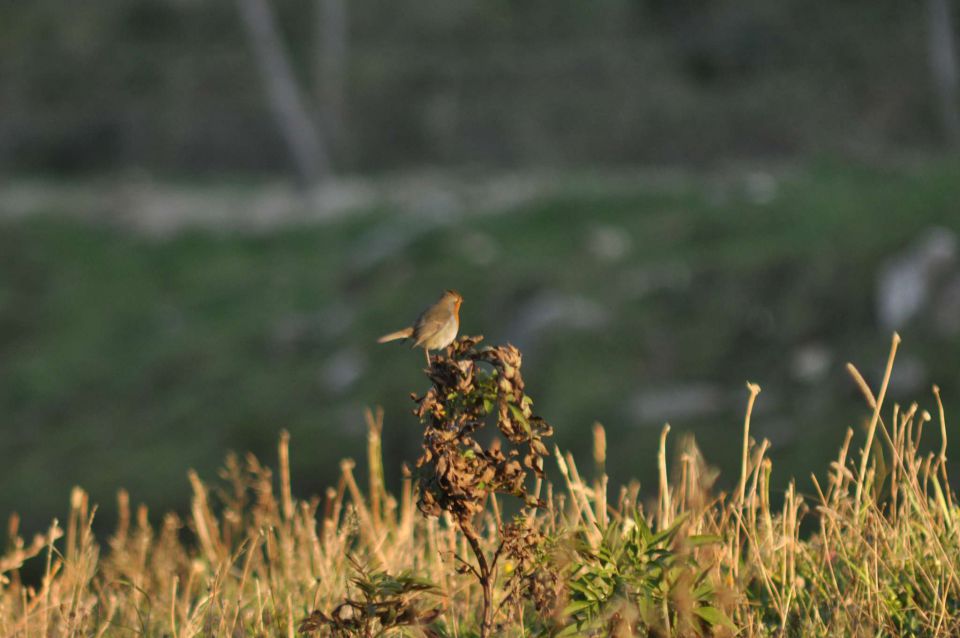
(406, 333)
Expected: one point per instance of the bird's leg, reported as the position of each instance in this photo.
(426, 353)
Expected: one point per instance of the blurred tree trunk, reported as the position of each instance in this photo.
(286, 100)
(943, 65)
(332, 34)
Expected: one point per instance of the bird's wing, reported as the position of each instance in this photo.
(428, 324)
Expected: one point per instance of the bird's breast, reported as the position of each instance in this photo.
(444, 336)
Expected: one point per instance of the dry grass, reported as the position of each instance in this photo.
(251, 560)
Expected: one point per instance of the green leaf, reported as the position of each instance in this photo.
(670, 532)
(582, 588)
(697, 540)
(519, 417)
(713, 617)
(573, 629)
(577, 606)
(703, 592)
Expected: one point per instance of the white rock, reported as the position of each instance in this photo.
(904, 284)
(761, 187)
(342, 370)
(811, 362)
(609, 243)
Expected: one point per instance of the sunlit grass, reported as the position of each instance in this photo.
(872, 549)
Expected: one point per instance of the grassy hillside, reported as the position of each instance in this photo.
(125, 360)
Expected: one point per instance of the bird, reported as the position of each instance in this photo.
(435, 328)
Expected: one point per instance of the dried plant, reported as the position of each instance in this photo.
(534, 569)
(472, 387)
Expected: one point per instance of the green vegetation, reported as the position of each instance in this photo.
(125, 360)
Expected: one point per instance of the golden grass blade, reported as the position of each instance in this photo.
(865, 455)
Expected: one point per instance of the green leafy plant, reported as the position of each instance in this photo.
(386, 605)
(636, 581)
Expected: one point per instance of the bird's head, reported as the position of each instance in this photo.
(454, 297)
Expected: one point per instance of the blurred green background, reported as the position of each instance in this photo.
(210, 210)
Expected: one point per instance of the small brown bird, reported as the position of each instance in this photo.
(435, 328)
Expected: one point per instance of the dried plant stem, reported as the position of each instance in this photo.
(865, 455)
(582, 491)
(665, 507)
(375, 463)
(484, 573)
(173, 608)
(943, 426)
(600, 483)
(754, 390)
(283, 455)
